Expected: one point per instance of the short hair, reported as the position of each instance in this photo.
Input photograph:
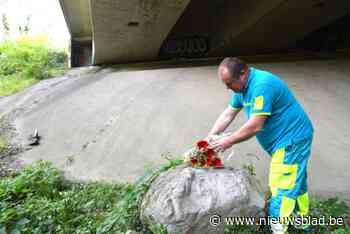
(235, 66)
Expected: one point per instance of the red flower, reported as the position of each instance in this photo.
(202, 144)
(210, 153)
(209, 162)
(194, 161)
(217, 162)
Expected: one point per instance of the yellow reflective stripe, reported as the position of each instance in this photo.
(278, 156)
(258, 103)
(287, 206)
(282, 176)
(285, 169)
(288, 177)
(303, 204)
(261, 113)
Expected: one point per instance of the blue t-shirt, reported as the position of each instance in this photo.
(265, 94)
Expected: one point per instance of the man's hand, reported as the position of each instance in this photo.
(249, 129)
(222, 144)
(209, 138)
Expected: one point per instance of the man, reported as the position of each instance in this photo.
(282, 128)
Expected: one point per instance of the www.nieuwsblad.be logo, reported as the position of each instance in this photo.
(216, 220)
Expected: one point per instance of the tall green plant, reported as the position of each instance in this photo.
(27, 60)
(40, 200)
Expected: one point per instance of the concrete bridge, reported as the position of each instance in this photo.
(116, 31)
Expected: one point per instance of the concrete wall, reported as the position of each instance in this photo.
(77, 15)
(133, 30)
(279, 28)
(142, 30)
(335, 36)
(236, 17)
(252, 27)
(218, 21)
(190, 35)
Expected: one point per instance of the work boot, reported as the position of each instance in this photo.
(279, 228)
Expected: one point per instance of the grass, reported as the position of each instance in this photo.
(40, 200)
(27, 60)
(12, 85)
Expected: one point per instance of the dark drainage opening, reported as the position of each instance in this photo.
(133, 24)
(81, 53)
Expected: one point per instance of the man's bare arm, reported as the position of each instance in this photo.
(248, 130)
(225, 118)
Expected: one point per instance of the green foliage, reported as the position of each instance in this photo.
(26, 61)
(158, 229)
(332, 207)
(126, 215)
(341, 231)
(40, 200)
(246, 229)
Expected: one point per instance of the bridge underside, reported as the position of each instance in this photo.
(116, 31)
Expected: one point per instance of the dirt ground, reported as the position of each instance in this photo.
(109, 124)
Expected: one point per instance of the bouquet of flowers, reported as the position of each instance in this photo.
(202, 156)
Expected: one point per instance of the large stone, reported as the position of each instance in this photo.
(184, 198)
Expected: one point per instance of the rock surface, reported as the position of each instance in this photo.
(184, 198)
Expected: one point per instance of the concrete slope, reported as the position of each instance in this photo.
(109, 124)
(132, 30)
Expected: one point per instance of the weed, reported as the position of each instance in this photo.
(40, 200)
(26, 61)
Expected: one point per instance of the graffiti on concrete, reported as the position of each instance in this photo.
(185, 47)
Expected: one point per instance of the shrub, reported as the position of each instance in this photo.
(39, 200)
(26, 60)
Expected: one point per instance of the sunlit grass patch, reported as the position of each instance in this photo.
(40, 200)
(26, 61)
(11, 85)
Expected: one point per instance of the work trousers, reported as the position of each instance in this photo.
(288, 181)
